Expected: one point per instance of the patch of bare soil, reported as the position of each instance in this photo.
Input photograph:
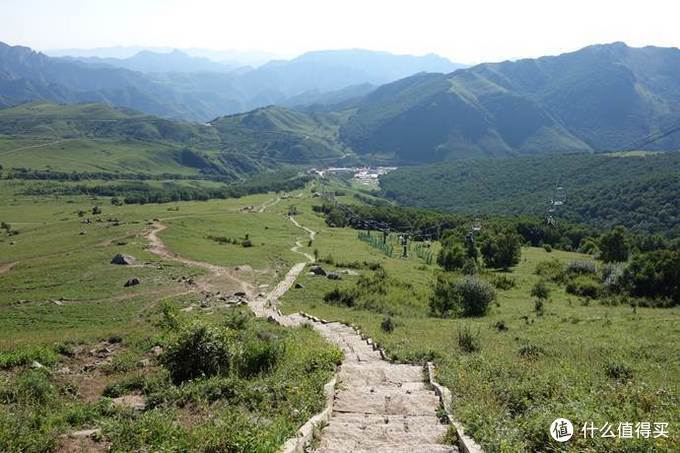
(6, 267)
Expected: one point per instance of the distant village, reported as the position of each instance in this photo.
(363, 175)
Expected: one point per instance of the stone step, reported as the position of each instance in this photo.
(364, 373)
(427, 448)
(387, 399)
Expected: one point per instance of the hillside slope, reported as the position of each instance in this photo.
(603, 97)
(281, 135)
(639, 192)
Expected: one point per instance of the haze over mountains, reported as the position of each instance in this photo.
(384, 107)
(177, 85)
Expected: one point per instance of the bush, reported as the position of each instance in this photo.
(469, 296)
(467, 341)
(614, 245)
(501, 250)
(655, 275)
(260, 355)
(581, 268)
(547, 248)
(340, 297)
(246, 243)
(387, 325)
(452, 257)
(540, 291)
(584, 287)
(503, 282)
(199, 350)
(618, 371)
(551, 270)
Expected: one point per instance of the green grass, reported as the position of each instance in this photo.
(541, 367)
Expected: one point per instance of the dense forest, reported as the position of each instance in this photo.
(637, 191)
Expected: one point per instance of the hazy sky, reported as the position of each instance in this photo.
(465, 31)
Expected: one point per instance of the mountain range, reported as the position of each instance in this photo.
(177, 85)
(603, 97)
(336, 104)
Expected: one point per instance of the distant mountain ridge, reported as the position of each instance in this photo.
(598, 98)
(177, 85)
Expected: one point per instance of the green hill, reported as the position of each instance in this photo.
(638, 191)
(604, 97)
(281, 135)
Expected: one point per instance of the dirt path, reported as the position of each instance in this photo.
(378, 406)
(6, 267)
(215, 280)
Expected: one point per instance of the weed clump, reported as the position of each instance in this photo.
(466, 297)
(199, 350)
(618, 371)
(387, 325)
(468, 341)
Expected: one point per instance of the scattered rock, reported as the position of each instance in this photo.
(317, 270)
(243, 268)
(144, 363)
(132, 282)
(37, 365)
(64, 370)
(299, 286)
(85, 433)
(123, 260)
(156, 350)
(135, 402)
(83, 232)
(333, 276)
(240, 294)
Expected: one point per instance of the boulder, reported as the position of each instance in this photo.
(317, 270)
(123, 260)
(299, 286)
(132, 282)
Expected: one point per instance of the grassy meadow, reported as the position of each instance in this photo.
(577, 358)
(79, 350)
(65, 306)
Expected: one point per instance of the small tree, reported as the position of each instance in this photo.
(452, 257)
(466, 297)
(614, 246)
(540, 291)
(502, 250)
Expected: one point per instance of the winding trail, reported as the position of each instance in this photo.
(377, 406)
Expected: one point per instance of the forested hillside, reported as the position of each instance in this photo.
(604, 97)
(640, 192)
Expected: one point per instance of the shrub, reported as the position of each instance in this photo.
(246, 243)
(547, 248)
(467, 341)
(581, 268)
(500, 326)
(501, 250)
(619, 371)
(551, 270)
(469, 296)
(387, 325)
(503, 282)
(585, 287)
(614, 245)
(199, 350)
(340, 297)
(540, 290)
(530, 351)
(33, 386)
(452, 257)
(655, 275)
(260, 355)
